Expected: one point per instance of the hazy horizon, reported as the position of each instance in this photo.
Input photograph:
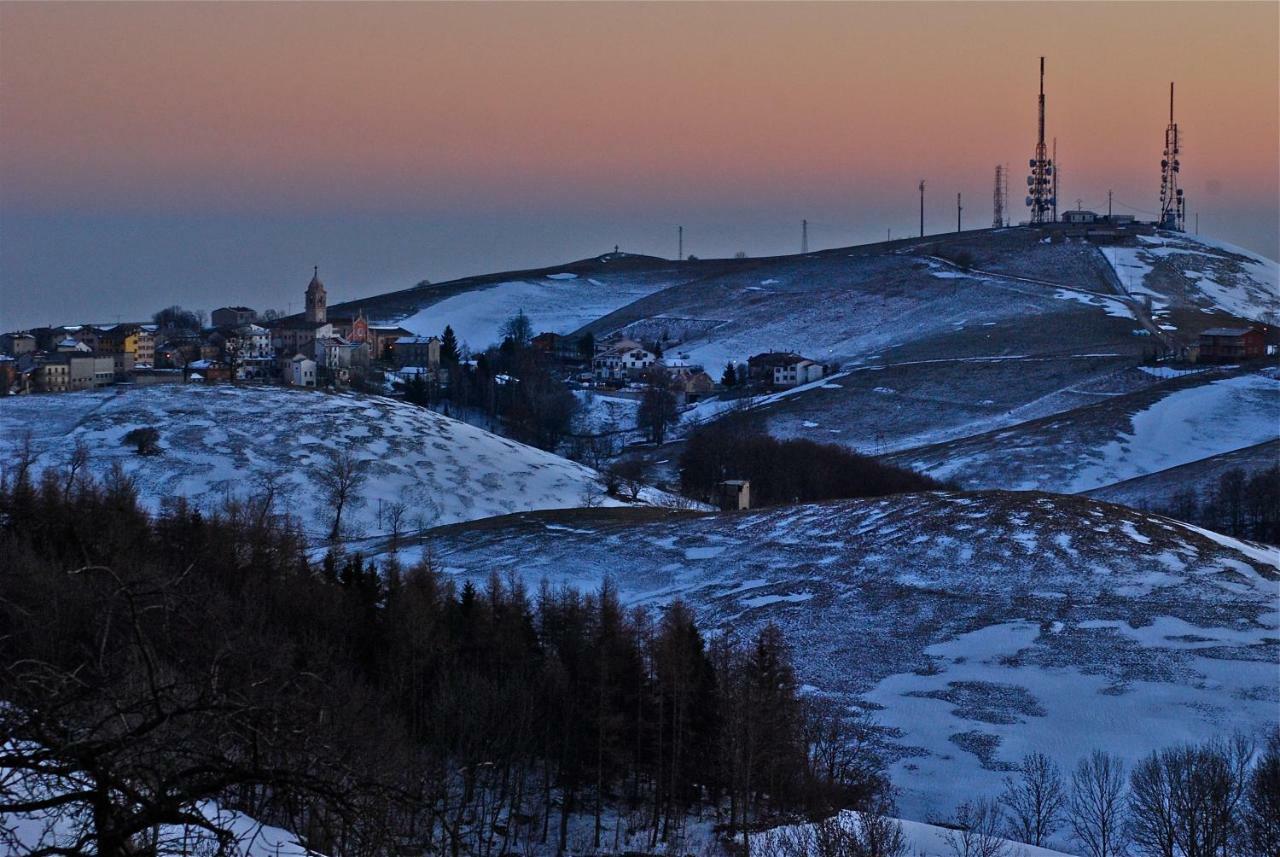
(209, 154)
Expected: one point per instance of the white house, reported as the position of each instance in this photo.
(302, 371)
(793, 373)
(622, 362)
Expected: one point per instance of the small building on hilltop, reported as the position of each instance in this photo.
(1079, 216)
(735, 495)
(1224, 344)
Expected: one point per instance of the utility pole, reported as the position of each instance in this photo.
(921, 208)
(888, 233)
(679, 243)
(959, 209)
(1197, 223)
(1108, 205)
(804, 236)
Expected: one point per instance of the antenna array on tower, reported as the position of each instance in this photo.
(1040, 182)
(1173, 205)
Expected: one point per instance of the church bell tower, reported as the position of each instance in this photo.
(317, 300)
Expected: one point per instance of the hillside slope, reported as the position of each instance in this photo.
(559, 299)
(1187, 278)
(219, 441)
(1122, 437)
(1156, 490)
(976, 627)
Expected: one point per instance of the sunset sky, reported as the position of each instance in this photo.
(208, 154)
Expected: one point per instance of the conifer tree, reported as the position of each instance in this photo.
(449, 346)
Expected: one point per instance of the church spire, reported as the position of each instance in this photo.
(317, 300)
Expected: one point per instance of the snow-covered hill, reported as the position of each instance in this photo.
(976, 627)
(1173, 270)
(1119, 438)
(560, 299)
(221, 441)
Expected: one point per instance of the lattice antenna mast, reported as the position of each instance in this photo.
(1173, 205)
(997, 199)
(1040, 182)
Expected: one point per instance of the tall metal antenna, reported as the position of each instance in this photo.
(680, 243)
(804, 236)
(959, 208)
(1040, 182)
(1173, 205)
(997, 200)
(921, 208)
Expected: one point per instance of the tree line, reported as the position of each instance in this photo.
(785, 471)
(1240, 505)
(150, 663)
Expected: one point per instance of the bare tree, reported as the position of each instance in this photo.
(1034, 801)
(1262, 800)
(880, 836)
(1186, 801)
(978, 830)
(628, 477)
(341, 481)
(1097, 804)
(75, 466)
(269, 490)
(396, 515)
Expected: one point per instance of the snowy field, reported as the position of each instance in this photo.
(218, 442)
(974, 627)
(560, 303)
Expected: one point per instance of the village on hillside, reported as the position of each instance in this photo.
(318, 350)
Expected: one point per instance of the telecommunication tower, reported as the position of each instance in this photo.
(1040, 182)
(997, 199)
(1173, 205)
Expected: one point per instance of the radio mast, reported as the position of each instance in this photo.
(1040, 182)
(1173, 205)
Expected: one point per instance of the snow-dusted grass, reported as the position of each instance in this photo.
(217, 441)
